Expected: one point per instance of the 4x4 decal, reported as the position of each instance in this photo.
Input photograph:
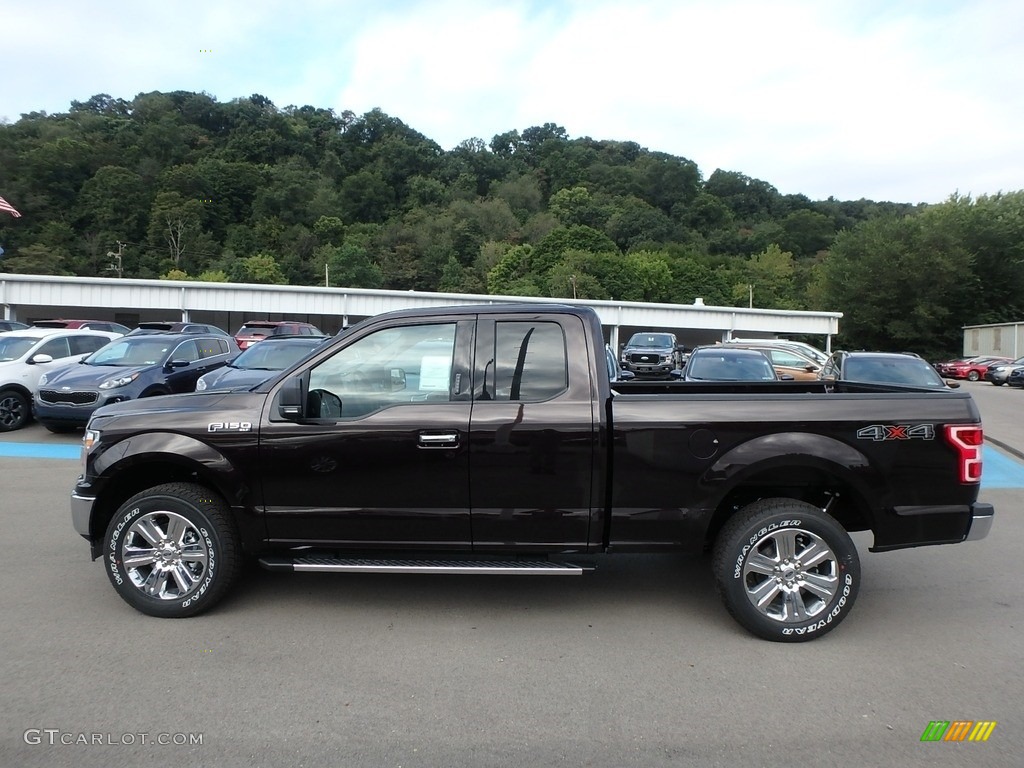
(879, 432)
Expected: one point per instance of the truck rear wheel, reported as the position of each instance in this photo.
(786, 570)
(172, 551)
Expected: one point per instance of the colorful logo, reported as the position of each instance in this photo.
(958, 730)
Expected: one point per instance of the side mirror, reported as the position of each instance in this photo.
(787, 377)
(178, 364)
(291, 399)
(397, 379)
(40, 359)
(953, 384)
(626, 375)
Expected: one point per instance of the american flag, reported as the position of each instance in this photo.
(5, 206)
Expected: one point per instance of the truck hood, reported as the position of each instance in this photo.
(189, 402)
(648, 350)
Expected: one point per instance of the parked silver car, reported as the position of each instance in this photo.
(998, 373)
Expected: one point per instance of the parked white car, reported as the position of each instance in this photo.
(27, 354)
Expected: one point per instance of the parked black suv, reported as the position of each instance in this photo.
(176, 326)
(882, 368)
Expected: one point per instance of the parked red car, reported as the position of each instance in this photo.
(257, 330)
(83, 325)
(971, 369)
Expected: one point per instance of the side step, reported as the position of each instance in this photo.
(363, 565)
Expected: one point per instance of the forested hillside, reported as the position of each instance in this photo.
(186, 187)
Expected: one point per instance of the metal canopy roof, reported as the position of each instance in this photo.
(20, 293)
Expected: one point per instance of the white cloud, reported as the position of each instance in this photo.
(852, 99)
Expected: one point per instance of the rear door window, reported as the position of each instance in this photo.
(530, 361)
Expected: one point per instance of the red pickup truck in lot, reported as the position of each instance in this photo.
(489, 439)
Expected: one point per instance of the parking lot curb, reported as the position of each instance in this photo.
(1008, 448)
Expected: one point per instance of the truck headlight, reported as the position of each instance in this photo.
(90, 438)
(201, 385)
(43, 378)
(119, 381)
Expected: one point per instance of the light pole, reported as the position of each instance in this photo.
(115, 266)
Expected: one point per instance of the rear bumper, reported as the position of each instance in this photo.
(930, 524)
(982, 516)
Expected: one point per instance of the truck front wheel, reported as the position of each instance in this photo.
(786, 570)
(172, 551)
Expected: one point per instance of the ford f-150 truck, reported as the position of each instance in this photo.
(652, 354)
(489, 439)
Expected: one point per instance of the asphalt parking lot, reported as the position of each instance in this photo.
(635, 664)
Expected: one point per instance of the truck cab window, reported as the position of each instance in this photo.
(530, 361)
(406, 364)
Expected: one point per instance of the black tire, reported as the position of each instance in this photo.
(765, 586)
(973, 376)
(998, 383)
(182, 550)
(60, 429)
(15, 410)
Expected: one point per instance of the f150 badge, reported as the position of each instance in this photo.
(879, 432)
(229, 426)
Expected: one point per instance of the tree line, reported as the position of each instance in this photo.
(182, 186)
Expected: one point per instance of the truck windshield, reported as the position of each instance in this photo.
(652, 340)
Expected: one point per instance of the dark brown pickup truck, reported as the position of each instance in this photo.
(489, 439)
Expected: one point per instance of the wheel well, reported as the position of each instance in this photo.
(812, 485)
(12, 387)
(124, 485)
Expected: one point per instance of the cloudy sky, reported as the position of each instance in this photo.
(903, 100)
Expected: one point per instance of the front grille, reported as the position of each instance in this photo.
(645, 358)
(71, 398)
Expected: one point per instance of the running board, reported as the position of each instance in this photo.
(361, 565)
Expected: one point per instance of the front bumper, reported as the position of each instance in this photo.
(645, 369)
(81, 513)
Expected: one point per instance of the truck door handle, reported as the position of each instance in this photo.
(439, 440)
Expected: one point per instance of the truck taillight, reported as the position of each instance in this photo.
(968, 441)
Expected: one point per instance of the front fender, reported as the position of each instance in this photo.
(172, 447)
(153, 458)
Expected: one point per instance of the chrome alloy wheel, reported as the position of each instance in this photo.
(791, 575)
(165, 555)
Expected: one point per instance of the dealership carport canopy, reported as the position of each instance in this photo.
(229, 305)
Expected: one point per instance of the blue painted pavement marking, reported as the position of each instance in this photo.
(40, 450)
(1000, 469)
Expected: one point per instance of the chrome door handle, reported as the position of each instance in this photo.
(439, 440)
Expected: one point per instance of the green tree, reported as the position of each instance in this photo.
(898, 282)
(261, 269)
(767, 277)
(115, 200)
(806, 232)
(36, 260)
(514, 273)
(175, 235)
(349, 265)
(576, 238)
